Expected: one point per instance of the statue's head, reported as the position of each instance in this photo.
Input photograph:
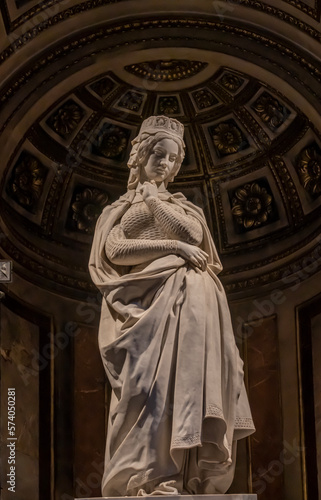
(162, 130)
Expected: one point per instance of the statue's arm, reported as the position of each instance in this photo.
(130, 252)
(175, 221)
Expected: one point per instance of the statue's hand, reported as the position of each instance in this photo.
(193, 254)
(148, 190)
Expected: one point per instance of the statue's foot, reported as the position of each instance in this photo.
(165, 488)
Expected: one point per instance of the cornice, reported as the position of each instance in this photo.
(145, 26)
(313, 12)
(71, 12)
(47, 4)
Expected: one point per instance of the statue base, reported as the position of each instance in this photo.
(241, 496)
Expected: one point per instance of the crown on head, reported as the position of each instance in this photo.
(155, 124)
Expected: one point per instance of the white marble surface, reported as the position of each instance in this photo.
(179, 403)
(244, 496)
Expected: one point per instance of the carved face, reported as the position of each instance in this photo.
(161, 162)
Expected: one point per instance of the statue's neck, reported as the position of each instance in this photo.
(160, 186)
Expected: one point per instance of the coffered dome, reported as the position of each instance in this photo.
(249, 104)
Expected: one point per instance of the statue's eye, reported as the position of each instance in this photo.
(172, 158)
(157, 152)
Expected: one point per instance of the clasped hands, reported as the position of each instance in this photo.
(149, 190)
(192, 253)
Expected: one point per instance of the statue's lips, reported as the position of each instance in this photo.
(160, 170)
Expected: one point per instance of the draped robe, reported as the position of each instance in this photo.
(178, 402)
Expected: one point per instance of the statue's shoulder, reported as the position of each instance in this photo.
(125, 199)
(178, 196)
(190, 207)
(114, 211)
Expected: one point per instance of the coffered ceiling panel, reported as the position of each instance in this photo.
(78, 78)
(254, 169)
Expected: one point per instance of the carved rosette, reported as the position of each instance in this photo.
(87, 207)
(111, 142)
(103, 87)
(132, 101)
(270, 110)
(168, 105)
(228, 138)
(166, 71)
(27, 181)
(204, 98)
(309, 169)
(66, 119)
(231, 82)
(251, 206)
(103, 162)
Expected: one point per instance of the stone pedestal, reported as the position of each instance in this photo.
(244, 496)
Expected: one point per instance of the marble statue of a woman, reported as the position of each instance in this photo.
(178, 401)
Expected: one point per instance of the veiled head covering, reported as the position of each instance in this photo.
(153, 130)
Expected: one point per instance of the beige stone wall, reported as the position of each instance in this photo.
(19, 341)
(316, 349)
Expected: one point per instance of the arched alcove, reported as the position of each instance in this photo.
(77, 79)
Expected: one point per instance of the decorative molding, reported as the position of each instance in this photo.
(86, 207)
(21, 79)
(285, 16)
(277, 257)
(111, 141)
(27, 180)
(313, 12)
(166, 70)
(92, 4)
(66, 119)
(168, 105)
(132, 101)
(253, 205)
(225, 165)
(295, 131)
(291, 197)
(280, 274)
(57, 190)
(308, 166)
(259, 135)
(61, 195)
(103, 87)
(33, 269)
(270, 111)
(204, 98)
(220, 91)
(257, 242)
(227, 138)
(28, 36)
(40, 253)
(45, 4)
(231, 82)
